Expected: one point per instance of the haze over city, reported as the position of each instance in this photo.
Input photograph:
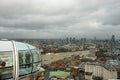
(59, 39)
(59, 18)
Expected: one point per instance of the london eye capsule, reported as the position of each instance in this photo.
(19, 61)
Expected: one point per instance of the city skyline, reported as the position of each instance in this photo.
(59, 19)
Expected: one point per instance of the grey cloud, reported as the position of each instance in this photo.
(59, 18)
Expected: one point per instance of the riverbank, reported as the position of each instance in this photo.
(51, 57)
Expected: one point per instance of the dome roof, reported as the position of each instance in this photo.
(6, 45)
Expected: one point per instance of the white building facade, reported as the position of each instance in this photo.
(98, 70)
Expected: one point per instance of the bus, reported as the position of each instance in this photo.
(19, 61)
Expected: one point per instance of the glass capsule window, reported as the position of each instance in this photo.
(25, 59)
(25, 62)
(29, 58)
(6, 65)
(36, 58)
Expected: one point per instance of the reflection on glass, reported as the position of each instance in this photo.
(25, 62)
(6, 65)
(36, 60)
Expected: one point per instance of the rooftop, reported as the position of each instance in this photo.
(106, 66)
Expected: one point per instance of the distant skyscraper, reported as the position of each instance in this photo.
(113, 38)
(67, 40)
(95, 38)
(74, 40)
(70, 39)
(112, 43)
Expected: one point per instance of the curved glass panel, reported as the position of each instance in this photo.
(36, 58)
(6, 65)
(6, 46)
(25, 59)
(36, 55)
(21, 46)
(31, 47)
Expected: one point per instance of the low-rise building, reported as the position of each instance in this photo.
(88, 75)
(105, 71)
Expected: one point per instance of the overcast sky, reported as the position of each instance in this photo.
(59, 18)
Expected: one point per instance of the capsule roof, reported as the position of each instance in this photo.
(7, 45)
